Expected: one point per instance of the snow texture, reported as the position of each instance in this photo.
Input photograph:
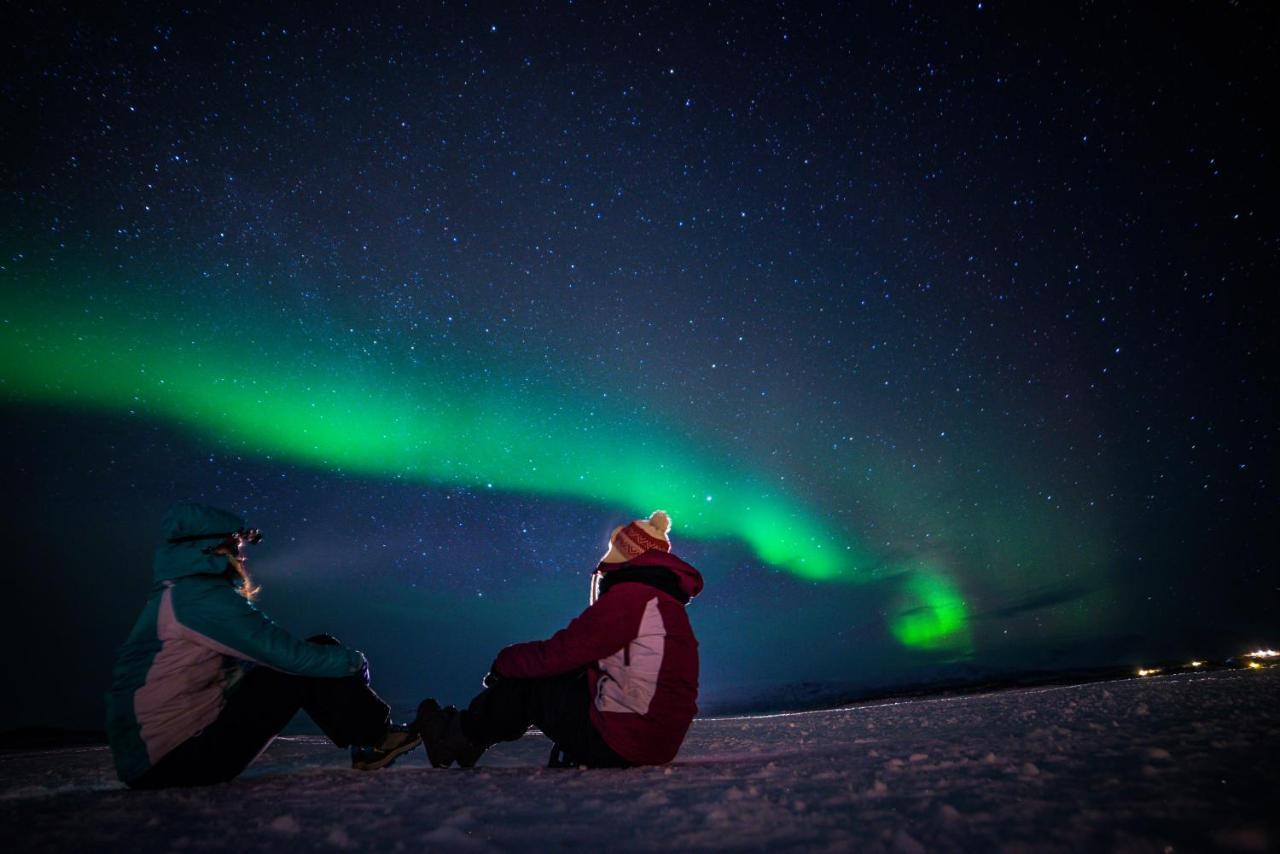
(1177, 763)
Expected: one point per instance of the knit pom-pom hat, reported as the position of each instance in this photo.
(636, 538)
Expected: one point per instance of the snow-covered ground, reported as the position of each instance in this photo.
(1176, 763)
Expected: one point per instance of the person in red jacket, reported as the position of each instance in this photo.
(617, 687)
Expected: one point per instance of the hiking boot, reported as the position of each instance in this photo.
(399, 740)
(443, 737)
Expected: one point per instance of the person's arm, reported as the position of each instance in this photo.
(598, 632)
(218, 617)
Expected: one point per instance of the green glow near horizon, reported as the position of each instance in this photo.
(932, 614)
(433, 418)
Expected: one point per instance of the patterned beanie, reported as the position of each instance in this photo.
(636, 538)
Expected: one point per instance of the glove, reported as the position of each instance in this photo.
(329, 640)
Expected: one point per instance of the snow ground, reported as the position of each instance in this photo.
(1182, 763)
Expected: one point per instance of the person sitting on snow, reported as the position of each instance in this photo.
(616, 688)
(205, 680)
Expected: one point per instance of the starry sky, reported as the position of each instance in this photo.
(940, 330)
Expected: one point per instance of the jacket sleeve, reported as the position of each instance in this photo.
(598, 632)
(218, 617)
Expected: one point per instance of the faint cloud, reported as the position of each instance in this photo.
(1043, 599)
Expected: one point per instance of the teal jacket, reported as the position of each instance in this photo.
(185, 653)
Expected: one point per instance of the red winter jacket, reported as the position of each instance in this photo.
(640, 654)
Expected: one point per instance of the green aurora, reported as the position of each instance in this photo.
(337, 399)
(931, 613)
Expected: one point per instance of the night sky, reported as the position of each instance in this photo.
(944, 332)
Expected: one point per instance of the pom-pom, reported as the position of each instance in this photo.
(660, 521)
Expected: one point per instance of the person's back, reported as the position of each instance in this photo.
(166, 687)
(205, 680)
(646, 694)
(617, 687)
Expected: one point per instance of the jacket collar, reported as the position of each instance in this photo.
(649, 568)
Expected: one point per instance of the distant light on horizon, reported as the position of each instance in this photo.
(1262, 653)
(1145, 671)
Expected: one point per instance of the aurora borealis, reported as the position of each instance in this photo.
(940, 333)
(423, 418)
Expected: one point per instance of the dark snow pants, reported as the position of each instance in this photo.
(346, 710)
(558, 705)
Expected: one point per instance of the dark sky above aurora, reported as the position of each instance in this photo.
(941, 331)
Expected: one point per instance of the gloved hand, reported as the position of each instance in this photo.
(329, 640)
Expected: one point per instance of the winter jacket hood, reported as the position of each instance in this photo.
(688, 579)
(178, 560)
